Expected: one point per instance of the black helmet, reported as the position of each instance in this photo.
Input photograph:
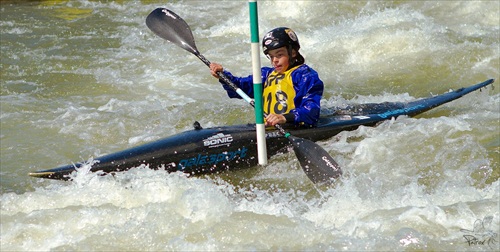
(279, 37)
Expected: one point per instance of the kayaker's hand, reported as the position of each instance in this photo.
(273, 119)
(215, 68)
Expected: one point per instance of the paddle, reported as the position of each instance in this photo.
(318, 165)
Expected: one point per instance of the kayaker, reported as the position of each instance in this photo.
(291, 89)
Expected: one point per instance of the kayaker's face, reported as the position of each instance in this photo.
(280, 59)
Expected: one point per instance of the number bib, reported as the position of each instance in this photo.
(278, 93)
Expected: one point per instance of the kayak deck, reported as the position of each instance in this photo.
(211, 150)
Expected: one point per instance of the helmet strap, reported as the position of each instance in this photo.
(292, 60)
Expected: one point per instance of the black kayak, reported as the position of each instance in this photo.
(225, 148)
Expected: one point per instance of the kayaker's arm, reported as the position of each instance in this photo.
(244, 83)
(309, 90)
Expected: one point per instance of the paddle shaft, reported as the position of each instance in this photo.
(238, 90)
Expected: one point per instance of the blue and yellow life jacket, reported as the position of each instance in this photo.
(300, 82)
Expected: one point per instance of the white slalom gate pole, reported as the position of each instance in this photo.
(257, 84)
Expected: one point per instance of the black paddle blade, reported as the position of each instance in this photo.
(171, 27)
(318, 165)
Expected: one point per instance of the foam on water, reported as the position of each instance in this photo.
(158, 211)
(79, 86)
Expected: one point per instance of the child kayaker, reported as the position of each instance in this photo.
(291, 89)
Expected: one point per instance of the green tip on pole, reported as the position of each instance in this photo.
(254, 23)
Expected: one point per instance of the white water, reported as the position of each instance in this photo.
(84, 78)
